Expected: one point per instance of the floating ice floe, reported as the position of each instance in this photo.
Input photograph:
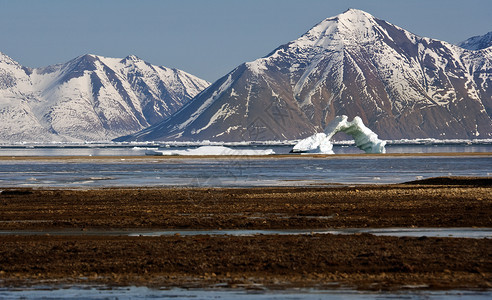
(317, 143)
(211, 150)
(365, 139)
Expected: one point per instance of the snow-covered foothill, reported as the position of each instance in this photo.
(365, 139)
(212, 150)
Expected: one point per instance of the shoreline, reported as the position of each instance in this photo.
(232, 157)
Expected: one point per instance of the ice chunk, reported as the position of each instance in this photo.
(365, 139)
(317, 143)
(212, 150)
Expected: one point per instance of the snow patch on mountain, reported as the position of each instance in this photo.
(258, 66)
(208, 102)
(221, 115)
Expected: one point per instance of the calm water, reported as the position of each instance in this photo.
(473, 233)
(87, 292)
(240, 172)
(130, 150)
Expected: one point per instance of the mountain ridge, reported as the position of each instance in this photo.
(400, 84)
(89, 98)
(478, 42)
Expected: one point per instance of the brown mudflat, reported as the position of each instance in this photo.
(439, 202)
(364, 261)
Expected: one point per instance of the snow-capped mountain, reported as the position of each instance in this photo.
(90, 98)
(477, 42)
(400, 84)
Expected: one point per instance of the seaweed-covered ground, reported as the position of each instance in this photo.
(320, 260)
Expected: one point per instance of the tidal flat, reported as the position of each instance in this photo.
(358, 260)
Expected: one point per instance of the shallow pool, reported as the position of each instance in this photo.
(477, 233)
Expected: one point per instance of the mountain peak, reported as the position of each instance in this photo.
(7, 59)
(477, 42)
(351, 26)
(355, 22)
(353, 64)
(86, 58)
(354, 14)
(132, 57)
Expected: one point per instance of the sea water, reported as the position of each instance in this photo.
(237, 172)
(114, 149)
(132, 292)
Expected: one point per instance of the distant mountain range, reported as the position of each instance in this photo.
(90, 98)
(400, 84)
(477, 42)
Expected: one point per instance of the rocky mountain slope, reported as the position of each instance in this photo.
(400, 84)
(90, 98)
(477, 42)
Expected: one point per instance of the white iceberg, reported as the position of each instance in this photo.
(212, 150)
(365, 139)
(317, 143)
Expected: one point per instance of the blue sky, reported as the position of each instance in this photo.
(207, 38)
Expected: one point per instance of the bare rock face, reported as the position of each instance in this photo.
(401, 85)
(90, 98)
